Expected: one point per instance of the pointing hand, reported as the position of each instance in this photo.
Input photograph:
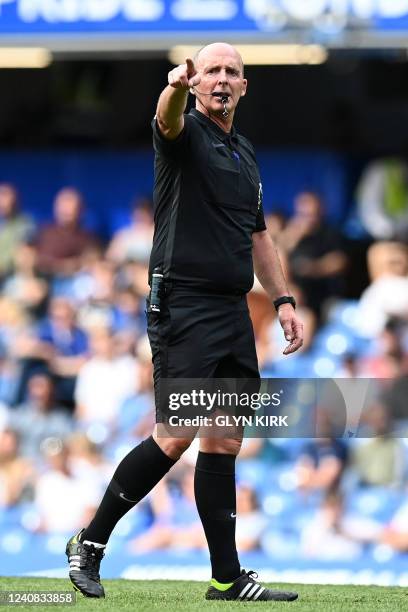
(184, 76)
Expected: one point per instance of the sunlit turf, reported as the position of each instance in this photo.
(184, 596)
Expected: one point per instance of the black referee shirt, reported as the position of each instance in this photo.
(207, 204)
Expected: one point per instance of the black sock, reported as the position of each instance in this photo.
(134, 477)
(214, 487)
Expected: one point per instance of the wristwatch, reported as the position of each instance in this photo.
(286, 299)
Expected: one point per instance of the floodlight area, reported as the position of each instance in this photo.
(25, 57)
(263, 55)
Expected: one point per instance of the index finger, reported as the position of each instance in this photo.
(297, 338)
(191, 71)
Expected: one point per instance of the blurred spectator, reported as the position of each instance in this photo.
(134, 242)
(13, 325)
(315, 251)
(383, 199)
(349, 366)
(9, 380)
(119, 308)
(95, 288)
(389, 360)
(322, 460)
(334, 534)
(80, 286)
(61, 244)
(395, 534)
(104, 381)
(16, 472)
(57, 484)
(61, 345)
(25, 286)
(275, 224)
(39, 417)
(86, 460)
(395, 396)
(321, 464)
(103, 283)
(379, 461)
(128, 312)
(4, 415)
(137, 413)
(179, 527)
(15, 227)
(14, 336)
(387, 295)
(115, 400)
(134, 274)
(251, 522)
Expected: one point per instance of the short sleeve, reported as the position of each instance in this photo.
(260, 225)
(172, 148)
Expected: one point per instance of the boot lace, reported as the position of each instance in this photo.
(91, 558)
(252, 575)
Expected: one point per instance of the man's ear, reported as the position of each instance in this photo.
(244, 87)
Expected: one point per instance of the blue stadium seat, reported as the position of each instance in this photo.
(378, 503)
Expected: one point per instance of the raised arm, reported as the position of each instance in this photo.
(269, 272)
(173, 99)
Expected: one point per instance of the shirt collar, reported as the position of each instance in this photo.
(225, 136)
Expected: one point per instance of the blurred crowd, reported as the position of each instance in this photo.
(76, 386)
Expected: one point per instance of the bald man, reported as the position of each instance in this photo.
(210, 235)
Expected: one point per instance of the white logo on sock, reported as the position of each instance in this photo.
(122, 495)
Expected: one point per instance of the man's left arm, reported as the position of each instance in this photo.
(269, 272)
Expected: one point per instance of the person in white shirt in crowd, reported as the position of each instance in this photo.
(87, 461)
(387, 295)
(57, 484)
(104, 381)
(334, 534)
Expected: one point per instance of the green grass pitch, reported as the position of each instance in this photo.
(185, 596)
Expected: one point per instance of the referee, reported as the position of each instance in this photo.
(210, 235)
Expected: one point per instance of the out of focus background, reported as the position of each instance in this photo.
(327, 110)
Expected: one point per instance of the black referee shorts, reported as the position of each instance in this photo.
(201, 336)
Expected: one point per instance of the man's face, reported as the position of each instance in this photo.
(61, 312)
(221, 72)
(308, 210)
(40, 389)
(8, 200)
(67, 207)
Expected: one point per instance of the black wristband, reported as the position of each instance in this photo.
(286, 299)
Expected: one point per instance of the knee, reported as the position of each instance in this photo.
(173, 447)
(227, 446)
